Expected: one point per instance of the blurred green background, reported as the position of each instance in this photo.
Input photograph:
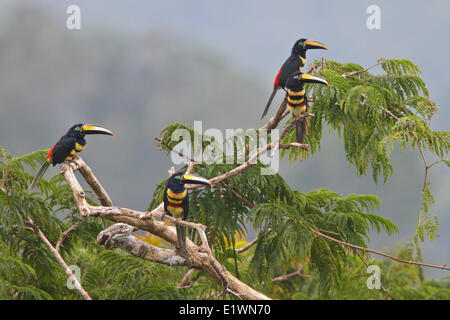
(137, 66)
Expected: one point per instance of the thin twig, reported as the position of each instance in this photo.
(422, 155)
(379, 281)
(189, 160)
(234, 293)
(313, 68)
(286, 277)
(64, 235)
(252, 161)
(438, 161)
(299, 145)
(184, 284)
(352, 73)
(253, 242)
(304, 146)
(242, 199)
(444, 267)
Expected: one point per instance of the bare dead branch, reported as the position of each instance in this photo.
(92, 181)
(199, 257)
(120, 236)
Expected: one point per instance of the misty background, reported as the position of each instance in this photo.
(138, 66)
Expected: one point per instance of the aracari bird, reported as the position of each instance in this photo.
(294, 63)
(68, 146)
(297, 102)
(176, 200)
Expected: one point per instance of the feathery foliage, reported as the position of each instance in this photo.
(372, 113)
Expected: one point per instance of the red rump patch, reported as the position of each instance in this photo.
(50, 153)
(277, 79)
(301, 105)
(175, 205)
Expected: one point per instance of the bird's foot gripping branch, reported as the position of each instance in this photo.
(120, 235)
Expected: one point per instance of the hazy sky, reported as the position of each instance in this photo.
(258, 34)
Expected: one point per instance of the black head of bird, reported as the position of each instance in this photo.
(302, 45)
(73, 142)
(176, 183)
(295, 87)
(176, 198)
(300, 78)
(79, 130)
(68, 146)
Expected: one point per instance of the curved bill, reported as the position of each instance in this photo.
(310, 44)
(313, 79)
(95, 129)
(191, 179)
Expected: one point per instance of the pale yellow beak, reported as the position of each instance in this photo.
(314, 79)
(191, 179)
(95, 129)
(309, 44)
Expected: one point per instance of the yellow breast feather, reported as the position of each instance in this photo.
(177, 212)
(78, 147)
(296, 111)
(295, 101)
(174, 195)
(296, 93)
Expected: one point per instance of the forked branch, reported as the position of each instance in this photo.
(119, 236)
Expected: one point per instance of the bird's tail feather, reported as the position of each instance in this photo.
(269, 102)
(38, 176)
(301, 130)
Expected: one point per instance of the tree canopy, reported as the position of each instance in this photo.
(308, 242)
